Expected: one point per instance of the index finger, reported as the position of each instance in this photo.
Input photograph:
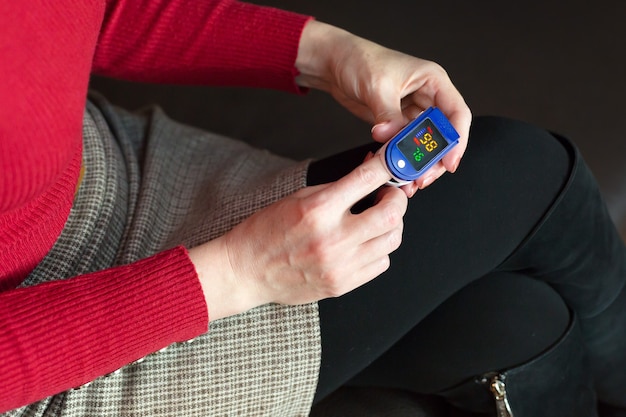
(360, 182)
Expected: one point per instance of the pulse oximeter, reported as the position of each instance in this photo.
(418, 146)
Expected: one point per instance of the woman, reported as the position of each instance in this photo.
(125, 234)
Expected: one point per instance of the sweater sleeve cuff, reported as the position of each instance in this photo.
(62, 334)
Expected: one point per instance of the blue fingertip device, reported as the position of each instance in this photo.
(418, 146)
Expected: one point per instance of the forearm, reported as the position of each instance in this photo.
(219, 42)
(62, 334)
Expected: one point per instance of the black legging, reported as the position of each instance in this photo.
(450, 307)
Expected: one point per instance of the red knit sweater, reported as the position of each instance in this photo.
(62, 334)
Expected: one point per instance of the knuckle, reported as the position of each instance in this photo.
(384, 264)
(332, 284)
(311, 212)
(393, 214)
(309, 205)
(437, 69)
(327, 248)
(300, 209)
(366, 175)
(395, 239)
(322, 253)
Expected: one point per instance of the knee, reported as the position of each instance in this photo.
(513, 148)
(519, 140)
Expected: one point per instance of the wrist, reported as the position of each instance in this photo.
(319, 50)
(224, 293)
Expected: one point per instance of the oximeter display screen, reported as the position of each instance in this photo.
(422, 144)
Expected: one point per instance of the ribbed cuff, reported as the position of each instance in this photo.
(65, 333)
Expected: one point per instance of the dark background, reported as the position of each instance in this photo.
(557, 64)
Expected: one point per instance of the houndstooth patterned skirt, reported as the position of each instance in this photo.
(151, 184)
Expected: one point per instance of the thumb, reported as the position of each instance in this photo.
(388, 116)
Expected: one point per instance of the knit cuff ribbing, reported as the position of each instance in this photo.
(85, 327)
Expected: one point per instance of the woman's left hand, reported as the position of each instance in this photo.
(384, 87)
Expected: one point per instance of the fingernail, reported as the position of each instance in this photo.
(376, 126)
(455, 165)
(427, 181)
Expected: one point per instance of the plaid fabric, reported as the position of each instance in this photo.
(151, 184)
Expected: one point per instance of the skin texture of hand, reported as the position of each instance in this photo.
(381, 86)
(305, 247)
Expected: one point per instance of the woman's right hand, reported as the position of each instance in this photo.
(305, 247)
